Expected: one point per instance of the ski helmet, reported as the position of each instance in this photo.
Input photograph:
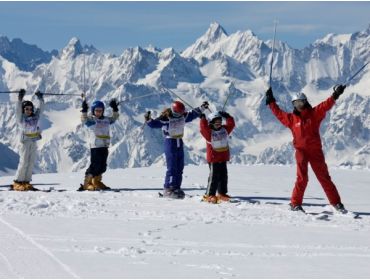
(27, 103)
(214, 116)
(97, 104)
(299, 96)
(178, 108)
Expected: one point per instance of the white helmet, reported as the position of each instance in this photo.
(215, 115)
(299, 96)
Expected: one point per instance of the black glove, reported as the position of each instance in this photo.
(338, 90)
(269, 96)
(204, 106)
(202, 116)
(114, 105)
(85, 107)
(39, 94)
(224, 114)
(21, 94)
(148, 116)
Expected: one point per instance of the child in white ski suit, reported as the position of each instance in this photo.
(99, 136)
(28, 119)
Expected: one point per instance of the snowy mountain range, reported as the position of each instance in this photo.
(217, 66)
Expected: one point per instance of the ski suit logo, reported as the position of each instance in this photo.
(101, 130)
(176, 127)
(30, 128)
(219, 140)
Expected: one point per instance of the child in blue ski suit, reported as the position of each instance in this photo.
(172, 121)
(99, 135)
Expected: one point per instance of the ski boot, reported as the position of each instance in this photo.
(296, 208)
(98, 184)
(210, 199)
(22, 186)
(340, 208)
(223, 197)
(173, 193)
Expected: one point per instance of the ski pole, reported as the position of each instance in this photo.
(133, 148)
(354, 75)
(272, 53)
(64, 94)
(170, 91)
(138, 97)
(12, 91)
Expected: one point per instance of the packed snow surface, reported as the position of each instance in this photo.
(135, 234)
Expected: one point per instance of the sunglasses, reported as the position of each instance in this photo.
(28, 109)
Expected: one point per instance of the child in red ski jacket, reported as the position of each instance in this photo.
(304, 124)
(218, 153)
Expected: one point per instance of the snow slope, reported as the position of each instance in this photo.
(135, 234)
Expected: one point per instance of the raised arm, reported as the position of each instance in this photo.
(284, 117)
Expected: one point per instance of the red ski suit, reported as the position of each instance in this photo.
(205, 130)
(306, 140)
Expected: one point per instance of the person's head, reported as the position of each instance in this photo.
(215, 120)
(27, 108)
(177, 109)
(97, 108)
(299, 101)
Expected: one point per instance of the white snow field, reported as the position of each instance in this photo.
(136, 234)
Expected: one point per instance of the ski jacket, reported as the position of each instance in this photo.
(99, 134)
(173, 128)
(305, 126)
(30, 130)
(217, 140)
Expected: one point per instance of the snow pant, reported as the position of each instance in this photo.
(174, 152)
(217, 180)
(98, 161)
(27, 157)
(317, 161)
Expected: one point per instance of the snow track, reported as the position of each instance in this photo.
(40, 261)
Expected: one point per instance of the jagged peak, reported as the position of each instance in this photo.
(215, 32)
(73, 49)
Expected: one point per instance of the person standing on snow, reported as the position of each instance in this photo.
(304, 123)
(28, 119)
(99, 136)
(172, 121)
(218, 154)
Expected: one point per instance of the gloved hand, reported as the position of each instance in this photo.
(224, 114)
(114, 105)
(85, 107)
(21, 94)
(202, 116)
(338, 90)
(148, 116)
(39, 94)
(204, 106)
(269, 96)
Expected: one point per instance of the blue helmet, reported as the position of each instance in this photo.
(97, 104)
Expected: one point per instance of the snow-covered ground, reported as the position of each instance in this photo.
(136, 234)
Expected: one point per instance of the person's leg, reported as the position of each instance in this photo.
(302, 178)
(223, 178)
(32, 154)
(319, 167)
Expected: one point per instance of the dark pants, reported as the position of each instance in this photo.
(317, 160)
(98, 161)
(217, 180)
(174, 151)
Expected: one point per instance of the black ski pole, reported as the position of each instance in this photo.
(12, 91)
(354, 75)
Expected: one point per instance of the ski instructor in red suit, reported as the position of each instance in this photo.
(304, 123)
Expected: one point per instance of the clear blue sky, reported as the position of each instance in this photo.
(114, 26)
